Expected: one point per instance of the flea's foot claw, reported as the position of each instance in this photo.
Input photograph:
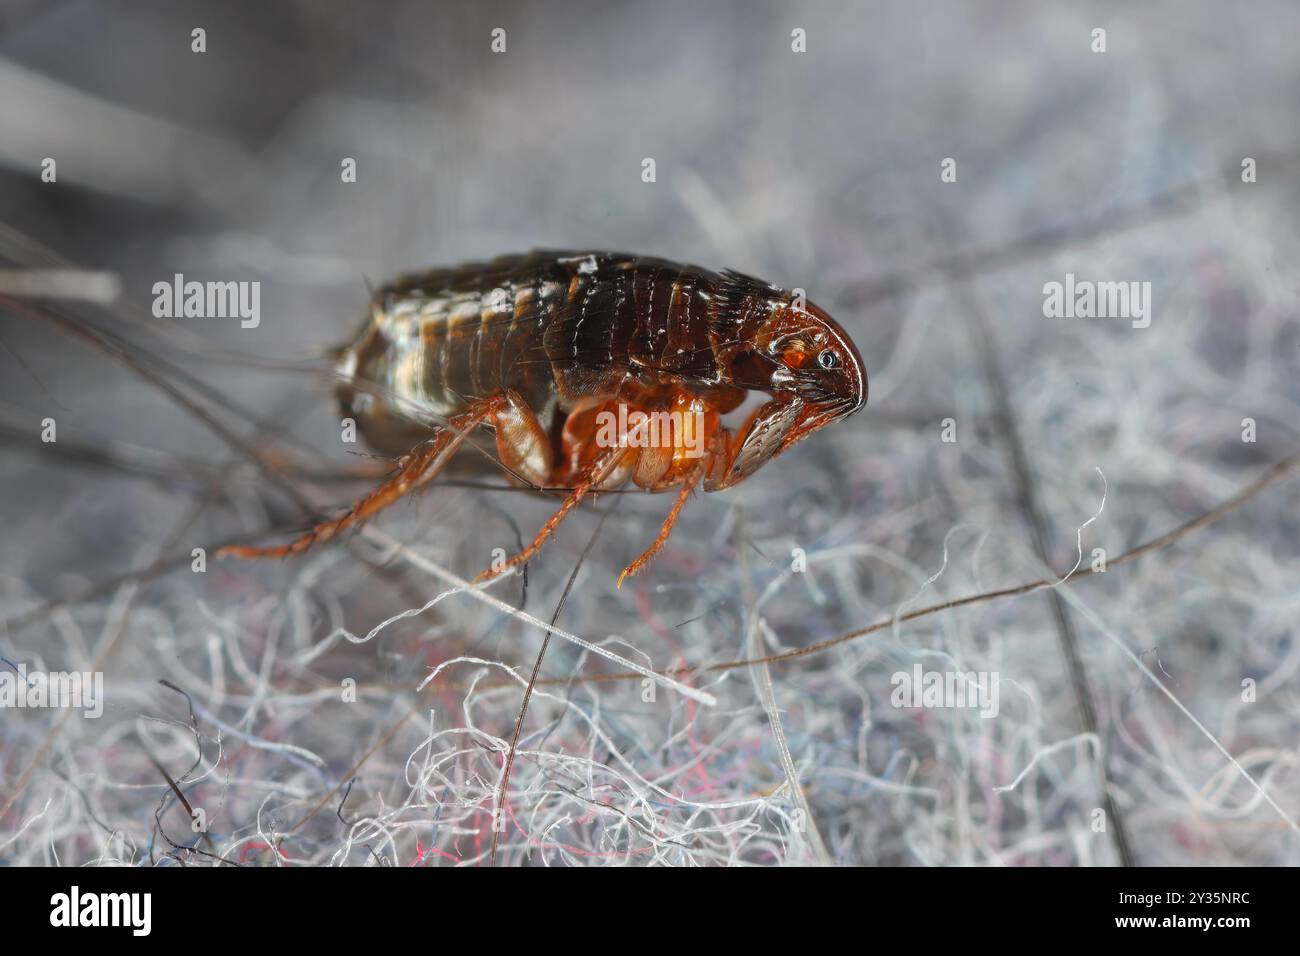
(242, 551)
(491, 574)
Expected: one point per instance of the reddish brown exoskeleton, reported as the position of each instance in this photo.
(593, 369)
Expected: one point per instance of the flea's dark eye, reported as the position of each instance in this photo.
(828, 359)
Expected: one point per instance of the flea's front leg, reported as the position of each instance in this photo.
(762, 438)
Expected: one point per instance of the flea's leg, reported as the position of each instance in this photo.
(760, 439)
(591, 478)
(522, 443)
(689, 482)
(695, 445)
(417, 467)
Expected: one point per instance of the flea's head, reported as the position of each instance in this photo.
(798, 351)
(811, 368)
(818, 363)
(802, 356)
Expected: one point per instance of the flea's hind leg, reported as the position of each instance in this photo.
(417, 467)
(522, 443)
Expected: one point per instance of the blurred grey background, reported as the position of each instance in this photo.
(818, 169)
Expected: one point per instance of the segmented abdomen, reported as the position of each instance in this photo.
(558, 328)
